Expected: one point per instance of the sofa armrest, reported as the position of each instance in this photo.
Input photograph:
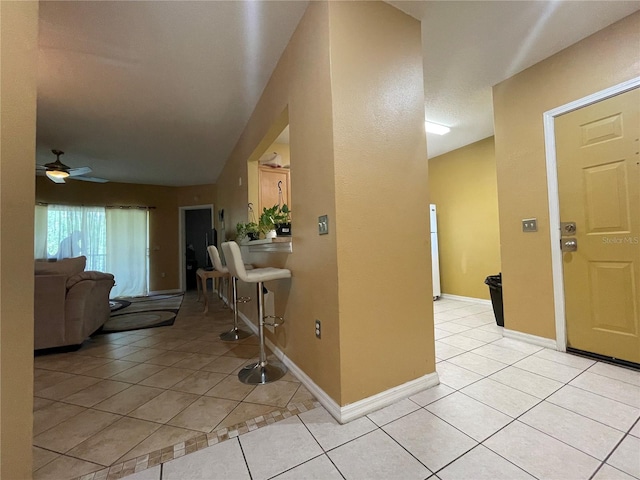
(87, 306)
(49, 311)
(88, 275)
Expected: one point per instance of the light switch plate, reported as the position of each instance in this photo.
(323, 225)
(529, 224)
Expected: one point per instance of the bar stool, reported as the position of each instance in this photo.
(262, 371)
(235, 333)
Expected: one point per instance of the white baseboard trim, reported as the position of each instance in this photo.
(528, 338)
(249, 323)
(375, 402)
(481, 301)
(225, 300)
(165, 292)
(357, 409)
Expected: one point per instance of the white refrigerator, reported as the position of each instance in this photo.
(435, 262)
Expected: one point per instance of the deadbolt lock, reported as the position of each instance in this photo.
(569, 244)
(567, 228)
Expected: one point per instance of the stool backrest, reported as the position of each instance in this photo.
(215, 258)
(235, 264)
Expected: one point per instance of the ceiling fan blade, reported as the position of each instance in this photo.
(41, 168)
(54, 179)
(89, 179)
(74, 172)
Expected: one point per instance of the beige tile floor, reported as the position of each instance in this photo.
(124, 395)
(504, 410)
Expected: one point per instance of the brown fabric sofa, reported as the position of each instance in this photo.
(70, 304)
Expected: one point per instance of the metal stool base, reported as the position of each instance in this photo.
(257, 374)
(234, 334)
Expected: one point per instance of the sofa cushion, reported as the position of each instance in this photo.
(66, 267)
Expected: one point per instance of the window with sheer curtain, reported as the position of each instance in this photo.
(114, 240)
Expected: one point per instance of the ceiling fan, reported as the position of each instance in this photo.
(58, 171)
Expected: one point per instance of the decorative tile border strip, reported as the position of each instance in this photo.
(204, 440)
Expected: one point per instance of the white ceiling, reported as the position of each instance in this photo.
(159, 92)
(469, 46)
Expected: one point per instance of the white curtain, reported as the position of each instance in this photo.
(64, 231)
(40, 244)
(113, 240)
(127, 247)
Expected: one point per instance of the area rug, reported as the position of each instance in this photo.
(118, 304)
(134, 313)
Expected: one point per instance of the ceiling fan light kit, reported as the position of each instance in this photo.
(58, 174)
(58, 171)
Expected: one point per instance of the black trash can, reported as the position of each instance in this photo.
(495, 289)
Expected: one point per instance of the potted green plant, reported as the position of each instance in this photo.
(253, 231)
(266, 222)
(249, 229)
(241, 230)
(274, 218)
(283, 227)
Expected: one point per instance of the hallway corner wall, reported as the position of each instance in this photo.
(18, 90)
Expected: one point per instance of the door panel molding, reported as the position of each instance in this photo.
(612, 216)
(548, 119)
(616, 285)
(602, 130)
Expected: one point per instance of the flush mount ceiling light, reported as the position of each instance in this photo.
(431, 127)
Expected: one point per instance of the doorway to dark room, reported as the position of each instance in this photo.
(198, 234)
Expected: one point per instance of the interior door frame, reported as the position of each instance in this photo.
(182, 264)
(554, 199)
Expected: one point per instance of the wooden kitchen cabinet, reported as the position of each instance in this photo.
(268, 179)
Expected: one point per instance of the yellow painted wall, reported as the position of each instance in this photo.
(463, 186)
(163, 219)
(336, 277)
(380, 162)
(253, 190)
(300, 81)
(602, 60)
(18, 68)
